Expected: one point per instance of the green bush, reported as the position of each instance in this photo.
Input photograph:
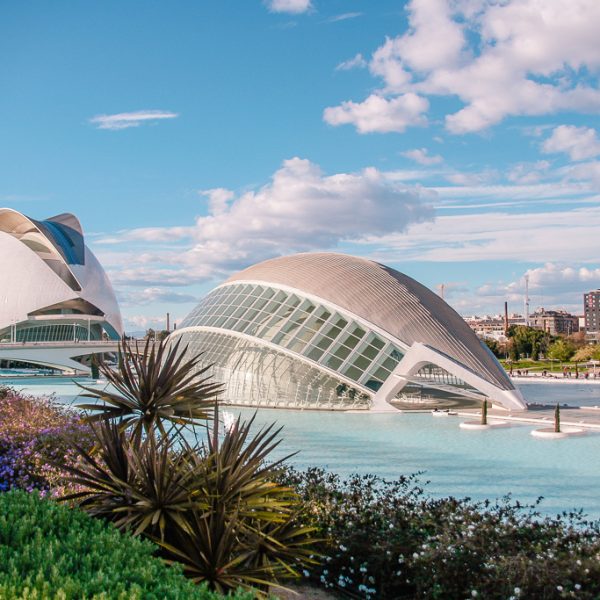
(52, 552)
(389, 540)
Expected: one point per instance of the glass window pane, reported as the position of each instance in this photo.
(373, 384)
(315, 353)
(369, 352)
(252, 312)
(292, 301)
(333, 332)
(381, 373)
(333, 362)
(260, 303)
(297, 345)
(239, 312)
(353, 373)
(389, 363)
(324, 343)
(358, 332)
(248, 300)
(305, 334)
(351, 341)
(342, 352)
(377, 342)
(362, 363)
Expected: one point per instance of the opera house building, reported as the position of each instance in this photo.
(331, 331)
(53, 287)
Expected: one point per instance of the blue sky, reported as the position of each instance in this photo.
(456, 141)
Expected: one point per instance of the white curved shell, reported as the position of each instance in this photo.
(36, 272)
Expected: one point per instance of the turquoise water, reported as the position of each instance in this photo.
(478, 464)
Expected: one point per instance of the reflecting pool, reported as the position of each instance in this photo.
(479, 464)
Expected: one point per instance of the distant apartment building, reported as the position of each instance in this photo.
(554, 322)
(591, 314)
(492, 327)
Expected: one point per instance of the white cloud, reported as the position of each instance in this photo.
(555, 278)
(301, 209)
(550, 285)
(130, 119)
(149, 234)
(498, 58)
(557, 236)
(293, 7)
(357, 62)
(476, 179)
(145, 322)
(151, 295)
(579, 143)
(344, 17)
(527, 172)
(421, 156)
(379, 114)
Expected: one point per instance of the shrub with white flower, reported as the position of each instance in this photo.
(388, 540)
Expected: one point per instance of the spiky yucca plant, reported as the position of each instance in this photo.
(142, 486)
(151, 387)
(217, 507)
(250, 535)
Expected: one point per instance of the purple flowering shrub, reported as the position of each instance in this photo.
(36, 438)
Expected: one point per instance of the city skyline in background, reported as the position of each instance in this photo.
(454, 141)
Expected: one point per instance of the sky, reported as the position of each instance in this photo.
(457, 141)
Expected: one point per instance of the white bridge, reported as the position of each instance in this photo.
(57, 355)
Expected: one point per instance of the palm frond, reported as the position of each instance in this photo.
(152, 386)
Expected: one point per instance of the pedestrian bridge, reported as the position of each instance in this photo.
(57, 355)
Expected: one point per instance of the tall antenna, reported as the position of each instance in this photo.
(442, 287)
(527, 300)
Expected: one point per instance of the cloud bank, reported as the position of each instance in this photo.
(300, 209)
(499, 59)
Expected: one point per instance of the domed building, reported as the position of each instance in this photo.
(331, 331)
(53, 287)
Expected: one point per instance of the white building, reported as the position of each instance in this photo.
(324, 330)
(53, 288)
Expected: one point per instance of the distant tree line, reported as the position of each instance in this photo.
(529, 342)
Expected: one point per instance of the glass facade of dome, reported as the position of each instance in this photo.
(331, 338)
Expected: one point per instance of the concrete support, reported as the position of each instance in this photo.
(419, 355)
(56, 355)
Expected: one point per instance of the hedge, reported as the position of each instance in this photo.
(52, 552)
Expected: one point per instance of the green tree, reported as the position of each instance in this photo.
(527, 341)
(561, 350)
(493, 345)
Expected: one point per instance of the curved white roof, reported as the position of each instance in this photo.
(386, 298)
(46, 263)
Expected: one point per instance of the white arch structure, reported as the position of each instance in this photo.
(325, 330)
(420, 355)
(59, 355)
